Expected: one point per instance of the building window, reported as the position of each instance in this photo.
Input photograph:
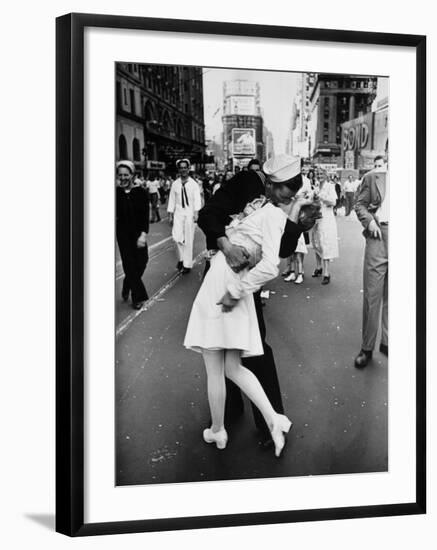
(118, 94)
(125, 96)
(132, 101)
(122, 148)
(136, 149)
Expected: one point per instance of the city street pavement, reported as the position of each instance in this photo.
(339, 412)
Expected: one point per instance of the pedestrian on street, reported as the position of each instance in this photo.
(294, 270)
(350, 187)
(161, 189)
(183, 208)
(231, 198)
(132, 226)
(339, 192)
(324, 234)
(153, 186)
(254, 164)
(372, 209)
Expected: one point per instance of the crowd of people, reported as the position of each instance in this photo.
(250, 220)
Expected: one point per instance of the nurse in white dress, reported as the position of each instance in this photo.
(223, 324)
(324, 234)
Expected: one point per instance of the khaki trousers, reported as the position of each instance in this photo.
(375, 289)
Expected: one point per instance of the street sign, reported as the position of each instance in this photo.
(155, 165)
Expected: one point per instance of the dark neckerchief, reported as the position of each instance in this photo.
(184, 194)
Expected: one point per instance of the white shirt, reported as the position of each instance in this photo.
(175, 198)
(350, 186)
(153, 186)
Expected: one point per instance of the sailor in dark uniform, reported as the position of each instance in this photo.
(231, 199)
(132, 226)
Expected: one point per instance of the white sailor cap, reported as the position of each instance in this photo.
(183, 160)
(127, 164)
(282, 168)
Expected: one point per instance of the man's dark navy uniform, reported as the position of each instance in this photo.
(132, 219)
(231, 199)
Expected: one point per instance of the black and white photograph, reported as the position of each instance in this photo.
(251, 273)
(202, 219)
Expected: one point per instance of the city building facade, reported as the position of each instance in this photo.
(299, 142)
(269, 144)
(366, 136)
(243, 128)
(334, 100)
(159, 115)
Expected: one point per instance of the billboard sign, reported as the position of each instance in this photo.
(357, 133)
(243, 142)
(240, 105)
(155, 165)
(240, 87)
(242, 162)
(349, 160)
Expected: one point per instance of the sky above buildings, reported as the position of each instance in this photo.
(277, 92)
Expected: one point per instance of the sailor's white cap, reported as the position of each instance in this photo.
(282, 168)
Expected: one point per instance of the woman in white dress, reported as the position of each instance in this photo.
(223, 325)
(324, 234)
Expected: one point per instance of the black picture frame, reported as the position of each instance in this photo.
(70, 273)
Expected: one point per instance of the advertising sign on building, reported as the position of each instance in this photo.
(240, 105)
(357, 133)
(242, 162)
(243, 142)
(349, 160)
(240, 87)
(380, 138)
(328, 166)
(155, 165)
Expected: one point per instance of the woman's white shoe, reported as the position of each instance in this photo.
(220, 438)
(291, 277)
(299, 279)
(281, 425)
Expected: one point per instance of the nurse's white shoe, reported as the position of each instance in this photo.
(220, 438)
